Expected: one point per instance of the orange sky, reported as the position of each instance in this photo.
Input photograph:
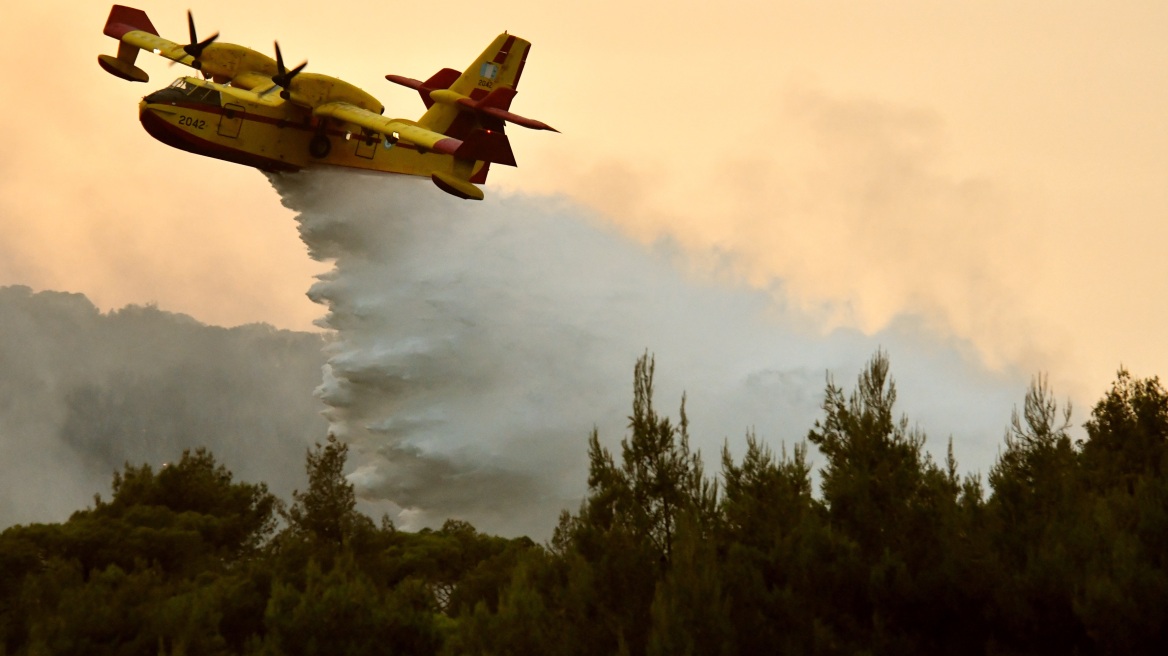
(997, 169)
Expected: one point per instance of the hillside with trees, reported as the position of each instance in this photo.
(1063, 550)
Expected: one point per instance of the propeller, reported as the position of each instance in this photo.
(196, 47)
(283, 77)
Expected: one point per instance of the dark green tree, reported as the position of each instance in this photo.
(1121, 528)
(525, 622)
(327, 512)
(147, 570)
(690, 613)
(1127, 434)
(885, 500)
(772, 540)
(341, 611)
(198, 485)
(875, 463)
(459, 565)
(659, 479)
(620, 545)
(1032, 519)
(1036, 472)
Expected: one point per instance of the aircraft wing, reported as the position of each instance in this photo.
(254, 81)
(134, 32)
(158, 45)
(390, 128)
(221, 62)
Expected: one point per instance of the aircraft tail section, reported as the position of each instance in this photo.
(121, 21)
(127, 19)
(474, 105)
(499, 67)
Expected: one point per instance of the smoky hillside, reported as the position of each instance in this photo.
(82, 392)
(1059, 549)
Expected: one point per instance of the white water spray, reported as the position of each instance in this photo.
(477, 344)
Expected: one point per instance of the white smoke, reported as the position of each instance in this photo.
(83, 392)
(477, 344)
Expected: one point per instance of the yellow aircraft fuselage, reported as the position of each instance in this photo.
(248, 108)
(287, 137)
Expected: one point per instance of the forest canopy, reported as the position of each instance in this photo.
(1063, 550)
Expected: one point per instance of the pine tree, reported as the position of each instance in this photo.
(887, 503)
(770, 544)
(623, 539)
(1127, 434)
(327, 511)
(1032, 521)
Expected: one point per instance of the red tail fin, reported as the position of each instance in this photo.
(127, 19)
(122, 20)
(487, 146)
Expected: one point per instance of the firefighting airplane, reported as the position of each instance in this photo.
(249, 109)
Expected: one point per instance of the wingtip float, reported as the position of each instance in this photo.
(250, 109)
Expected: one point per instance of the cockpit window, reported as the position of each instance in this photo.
(183, 91)
(194, 91)
(203, 93)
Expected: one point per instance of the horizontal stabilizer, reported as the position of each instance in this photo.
(523, 121)
(494, 105)
(440, 80)
(407, 82)
(498, 103)
(122, 21)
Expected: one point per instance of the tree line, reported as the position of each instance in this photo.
(1065, 552)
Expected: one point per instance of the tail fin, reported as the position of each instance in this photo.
(122, 20)
(478, 99)
(474, 107)
(499, 67)
(127, 19)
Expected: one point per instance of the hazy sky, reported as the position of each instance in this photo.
(994, 170)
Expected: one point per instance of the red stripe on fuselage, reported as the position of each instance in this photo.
(177, 137)
(278, 122)
(247, 116)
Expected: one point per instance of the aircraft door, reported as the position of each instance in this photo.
(231, 120)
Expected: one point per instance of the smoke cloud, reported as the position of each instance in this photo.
(477, 344)
(82, 393)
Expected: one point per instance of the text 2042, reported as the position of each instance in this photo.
(196, 123)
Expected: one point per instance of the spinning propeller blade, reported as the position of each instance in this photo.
(196, 47)
(283, 77)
